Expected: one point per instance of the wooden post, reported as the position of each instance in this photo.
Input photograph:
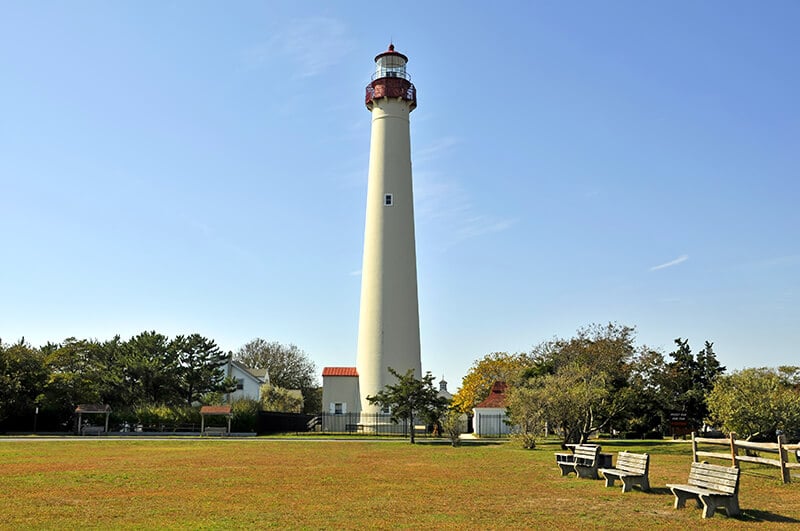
(108, 413)
(783, 457)
(694, 448)
(202, 424)
(734, 451)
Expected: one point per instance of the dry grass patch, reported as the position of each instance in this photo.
(347, 485)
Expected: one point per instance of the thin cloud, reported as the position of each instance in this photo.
(302, 43)
(435, 149)
(480, 225)
(675, 262)
(441, 202)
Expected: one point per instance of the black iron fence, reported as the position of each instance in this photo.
(369, 424)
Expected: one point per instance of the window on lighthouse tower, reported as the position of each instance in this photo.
(388, 200)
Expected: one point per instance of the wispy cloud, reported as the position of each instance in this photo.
(441, 201)
(480, 225)
(435, 149)
(445, 205)
(675, 262)
(313, 45)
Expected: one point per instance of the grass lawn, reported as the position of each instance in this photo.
(218, 483)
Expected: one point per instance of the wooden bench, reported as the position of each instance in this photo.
(92, 430)
(582, 461)
(712, 485)
(632, 469)
(216, 430)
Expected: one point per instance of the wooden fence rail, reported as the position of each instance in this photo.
(734, 445)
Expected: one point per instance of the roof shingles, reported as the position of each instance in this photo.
(339, 371)
(497, 396)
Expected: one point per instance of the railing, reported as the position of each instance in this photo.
(387, 72)
(734, 445)
(391, 88)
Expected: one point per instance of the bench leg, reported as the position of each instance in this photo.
(627, 484)
(732, 508)
(566, 468)
(610, 480)
(681, 497)
(712, 503)
(586, 472)
(709, 506)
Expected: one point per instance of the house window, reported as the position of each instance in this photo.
(388, 200)
(338, 408)
(239, 384)
(386, 410)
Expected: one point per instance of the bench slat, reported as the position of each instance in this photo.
(632, 463)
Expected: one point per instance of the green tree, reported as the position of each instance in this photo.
(75, 376)
(583, 382)
(689, 379)
(150, 370)
(527, 411)
(199, 362)
(274, 398)
(497, 366)
(288, 367)
(755, 403)
(22, 379)
(411, 398)
(649, 383)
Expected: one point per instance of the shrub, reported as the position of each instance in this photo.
(525, 439)
(245, 415)
(160, 416)
(451, 426)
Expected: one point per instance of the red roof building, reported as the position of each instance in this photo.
(490, 418)
(340, 390)
(497, 396)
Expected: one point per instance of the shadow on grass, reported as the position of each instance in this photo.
(659, 491)
(752, 515)
(464, 442)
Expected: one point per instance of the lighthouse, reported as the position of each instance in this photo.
(388, 325)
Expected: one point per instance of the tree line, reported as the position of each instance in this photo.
(148, 370)
(601, 381)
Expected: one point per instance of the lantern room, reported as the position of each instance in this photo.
(391, 80)
(390, 64)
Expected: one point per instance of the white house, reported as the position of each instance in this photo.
(248, 381)
(490, 415)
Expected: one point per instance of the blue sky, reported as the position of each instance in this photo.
(202, 166)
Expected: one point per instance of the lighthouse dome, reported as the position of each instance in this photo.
(390, 64)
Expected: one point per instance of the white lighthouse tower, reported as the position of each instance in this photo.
(388, 326)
